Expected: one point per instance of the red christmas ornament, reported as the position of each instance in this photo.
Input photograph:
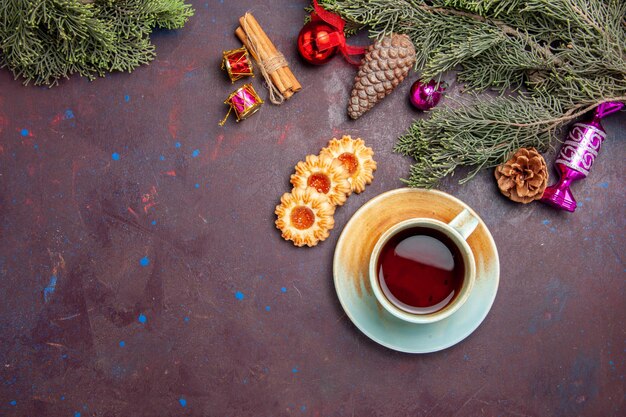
(318, 42)
(321, 38)
(425, 96)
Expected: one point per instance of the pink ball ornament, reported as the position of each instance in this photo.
(425, 96)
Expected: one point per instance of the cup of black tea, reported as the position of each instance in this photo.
(422, 270)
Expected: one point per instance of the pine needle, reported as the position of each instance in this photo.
(43, 41)
(564, 57)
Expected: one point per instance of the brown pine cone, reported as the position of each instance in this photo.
(524, 177)
(386, 63)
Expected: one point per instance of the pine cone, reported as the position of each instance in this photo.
(386, 63)
(524, 177)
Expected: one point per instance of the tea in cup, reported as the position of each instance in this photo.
(422, 270)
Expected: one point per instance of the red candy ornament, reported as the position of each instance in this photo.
(425, 96)
(321, 38)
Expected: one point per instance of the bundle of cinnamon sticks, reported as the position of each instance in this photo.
(271, 62)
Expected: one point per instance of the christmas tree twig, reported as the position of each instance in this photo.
(43, 41)
(568, 116)
(564, 56)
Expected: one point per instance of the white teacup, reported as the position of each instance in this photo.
(455, 233)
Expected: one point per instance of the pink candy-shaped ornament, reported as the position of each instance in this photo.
(577, 155)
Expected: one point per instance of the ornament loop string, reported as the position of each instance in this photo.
(225, 117)
(266, 66)
(338, 23)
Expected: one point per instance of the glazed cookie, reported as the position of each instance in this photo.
(356, 159)
(305, 216)
(325, 175)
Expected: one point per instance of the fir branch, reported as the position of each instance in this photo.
(478, 134)
(43, 41)
(565, 56)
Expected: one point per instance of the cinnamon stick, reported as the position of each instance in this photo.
(285, 71)
(259, 59)
(282, 77)
(267, 44)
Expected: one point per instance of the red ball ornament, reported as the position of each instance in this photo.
(318, 42)
(425, 96)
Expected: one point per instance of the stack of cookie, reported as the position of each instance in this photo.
(321, 183)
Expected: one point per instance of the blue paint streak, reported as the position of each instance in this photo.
(24, 132)
(49, 290)
(69, 114)
(294, 370)
(177, 144)
(197, 185)
(142, 319)
(303, 408)
(153, 222)
(62, 397)
(239, 295)
(145, 261)
(195, 153)
(13, 403)
(122, 343)
(283, 289)
(115, 156)
(604, 184)
(183, 402)
(267, 308)
(186, 319)
(127, 98)
(546, 222)
(161, 158)
(553, 229)
(77, 414)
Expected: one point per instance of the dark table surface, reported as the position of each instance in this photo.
(141, 273)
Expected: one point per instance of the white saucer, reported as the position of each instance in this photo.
(351, 262)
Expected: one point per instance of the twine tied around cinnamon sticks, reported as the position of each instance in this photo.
(281, 82)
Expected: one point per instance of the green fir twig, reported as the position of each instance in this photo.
(43, 41)
(564, 57)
